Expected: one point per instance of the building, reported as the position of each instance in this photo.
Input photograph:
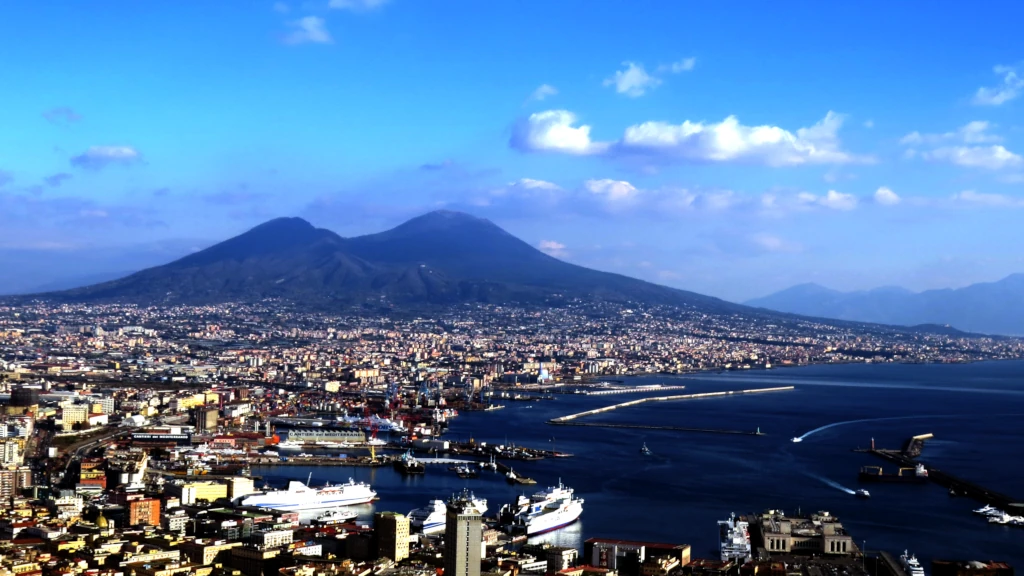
(144, 512)
(392, 531)
(822, 533)
(462, 539)
(206, 552)
(24, 398)
(191, 492)
(559, 558)
(13, 480)
(9, 453)
(205, 419)
(72, 414)
(240, 486)
(175, 521)
(264, 539)
(628, 557)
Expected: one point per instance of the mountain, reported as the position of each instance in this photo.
(440, 257)
(989, 308)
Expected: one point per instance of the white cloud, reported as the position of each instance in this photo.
(308, 30)
(886, 197)
(990, 200)
(730, 141)
(543, 91)
(772, 243)
(554, 131)
(356, 5)
(612, 190)
(832, 199)
(684, 65)
(1003, 93)
(97, 157)
(634, 81)
(553, 248)
(994, 157)
(532, 184)
(976, 132)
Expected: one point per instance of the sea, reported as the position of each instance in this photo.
(692, 480)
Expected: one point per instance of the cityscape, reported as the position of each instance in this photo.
(520, 288)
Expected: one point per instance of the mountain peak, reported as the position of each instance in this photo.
(283, 225)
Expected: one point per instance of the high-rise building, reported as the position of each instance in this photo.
(25, 397)
(13, 479)
(144, 511)
(392, 531)
(9, 453)
(240, 486)
(205, 418)
(462, 538)
(72, 414)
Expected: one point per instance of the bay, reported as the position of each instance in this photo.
(693, 480)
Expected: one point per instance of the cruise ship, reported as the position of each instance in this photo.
(299, 496)
(431, 519)
(545, 511)
(911, 565)
(734, 536)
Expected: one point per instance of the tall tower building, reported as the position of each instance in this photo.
(392, 535)
(462, 537)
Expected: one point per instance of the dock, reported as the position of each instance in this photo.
(633, 390)
(913, 448)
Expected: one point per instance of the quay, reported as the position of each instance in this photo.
(894, 566)
(561, 420)
(653, 427)
(913, 447)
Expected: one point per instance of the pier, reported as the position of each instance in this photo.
(648, 388)
(913, 447)
(653, 427)
(562, 420)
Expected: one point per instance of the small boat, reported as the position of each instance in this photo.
(465, 471)
(491, 465)
(797, 439)
(987, 510)
(911, 565)
(862, 493)
(645, 450)
(406, 464)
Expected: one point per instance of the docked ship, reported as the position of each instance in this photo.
(734, 538)
(545, 511)
(911, 565)
(299, 496)
(406, 464)
(916, 475)
(432, 518)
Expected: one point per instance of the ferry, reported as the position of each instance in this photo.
(299, 496)
(911, 565)
(545, 511)
(734, 538)
(432, 518)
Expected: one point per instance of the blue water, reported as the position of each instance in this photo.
(693, 480)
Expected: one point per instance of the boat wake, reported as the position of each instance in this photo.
(835, 485)
(889, 418)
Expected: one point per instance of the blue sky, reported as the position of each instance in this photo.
(730, 148)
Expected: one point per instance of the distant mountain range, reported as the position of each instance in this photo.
(439, 258)
(988, 308)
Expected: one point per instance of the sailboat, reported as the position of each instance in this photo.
(645, 450)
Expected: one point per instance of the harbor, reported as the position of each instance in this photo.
(563, 420)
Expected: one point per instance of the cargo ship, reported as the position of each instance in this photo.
(735, 540)
(916, 475)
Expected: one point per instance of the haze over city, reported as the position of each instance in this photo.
(732, 152)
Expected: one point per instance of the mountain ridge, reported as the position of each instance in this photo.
(986, 307)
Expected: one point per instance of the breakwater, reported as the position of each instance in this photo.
(562, 420)
(649, 388)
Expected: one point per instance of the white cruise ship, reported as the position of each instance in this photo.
(299, 496)
(432, 518)
(545, 511)
(734, 536)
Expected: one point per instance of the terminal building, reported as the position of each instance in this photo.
(822, 533)
(329, 435)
